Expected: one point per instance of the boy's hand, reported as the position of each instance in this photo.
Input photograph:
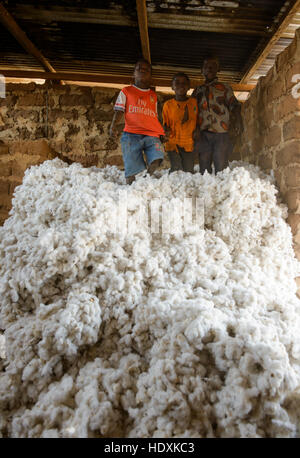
(196, 134)
(237, 126)
(238, 129)
(236, 121)
(113, 131)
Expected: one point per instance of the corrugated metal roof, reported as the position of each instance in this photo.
(89, 36)
(188, 49)
(87, 42)
(268, 63)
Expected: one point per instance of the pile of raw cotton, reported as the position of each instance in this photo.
(111, 332)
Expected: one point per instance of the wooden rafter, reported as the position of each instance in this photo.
(275, 37)
(102, 78)
(143, 26)
(11, 25)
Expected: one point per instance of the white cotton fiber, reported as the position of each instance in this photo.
(109, 329)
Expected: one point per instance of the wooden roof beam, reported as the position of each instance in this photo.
(103, 78)
(274, 38)
(143, 26)
(11, 25)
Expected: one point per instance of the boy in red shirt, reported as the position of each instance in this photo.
(142, 128)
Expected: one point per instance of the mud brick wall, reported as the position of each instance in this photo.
(74, 120)
(271, 137)
(13, 163)
(40, 122)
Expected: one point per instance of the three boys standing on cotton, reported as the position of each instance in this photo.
(198, 124)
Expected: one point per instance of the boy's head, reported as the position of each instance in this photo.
(181, 84)
(210, 67)
(142, 73)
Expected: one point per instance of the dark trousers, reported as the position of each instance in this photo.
(182, 160)
(213, 147)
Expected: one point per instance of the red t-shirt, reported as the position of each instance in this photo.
(140, 107)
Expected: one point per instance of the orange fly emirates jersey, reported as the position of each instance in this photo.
(140, 107)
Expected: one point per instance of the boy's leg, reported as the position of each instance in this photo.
(154, 152)
(132, 151)
(222, 149)
(130, 180)
(187, 159)
(175, 161)
(204, 149)
(153, 166)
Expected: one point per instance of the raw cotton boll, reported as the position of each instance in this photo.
(41, 420)
(2, 346)
(2, 352)
(75, 325)
(116, 328)
(21, 338)
(96, 387)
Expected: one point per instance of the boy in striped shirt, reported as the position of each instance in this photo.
(216, 102)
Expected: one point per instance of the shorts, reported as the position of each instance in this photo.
(133, 146)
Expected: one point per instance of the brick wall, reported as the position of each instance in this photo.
(271, 137)
(74, 120)
(13, 163)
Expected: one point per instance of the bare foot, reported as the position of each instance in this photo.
(130, 180)
(153, 166)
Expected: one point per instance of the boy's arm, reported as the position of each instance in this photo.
(166, 122)
(196, 132)
(234, 107)
(238, 124)
(118, 116)
(165, 116)
(120, 106)
(159, 110)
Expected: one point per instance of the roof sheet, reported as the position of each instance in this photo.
(87, 36)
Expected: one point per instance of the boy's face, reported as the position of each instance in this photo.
(180, 85)
(210, 69)
(142, 74)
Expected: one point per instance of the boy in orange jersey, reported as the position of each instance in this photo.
(215, 102)
(179, 120)
(142, 128)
